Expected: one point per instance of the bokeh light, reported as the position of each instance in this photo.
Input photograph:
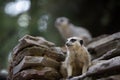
(17, 7)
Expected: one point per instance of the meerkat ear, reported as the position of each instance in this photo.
(81, 42)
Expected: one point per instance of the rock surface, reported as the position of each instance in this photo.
(35, 58)
(102, 45)
(45, 73)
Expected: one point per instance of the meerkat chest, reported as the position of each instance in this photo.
(76, 60)
(73, 56)
(78, 56)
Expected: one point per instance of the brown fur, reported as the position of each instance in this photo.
(77, 60)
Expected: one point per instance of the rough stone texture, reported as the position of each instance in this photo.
(101, 46)
(35, 58)
(38, 51)
(114, 77)
(110, 54)
(108, 67)
(28, 41)
(45, 73)
(30, 51)
(30, 61)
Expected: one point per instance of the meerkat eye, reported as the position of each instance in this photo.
(81, 42)
(61, 20)
(73, 40)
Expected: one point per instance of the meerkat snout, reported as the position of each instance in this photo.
(67, 44)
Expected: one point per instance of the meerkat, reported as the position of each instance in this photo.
(77, 59)
(67, 30)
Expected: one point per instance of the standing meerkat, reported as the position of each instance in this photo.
(77, 59)
(67, 30)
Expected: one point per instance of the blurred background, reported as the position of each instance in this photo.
(37, 17)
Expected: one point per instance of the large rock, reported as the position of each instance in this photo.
(38, 51)
(45, 73)
(110, 54)
(35, 58)
(28, 41)
(114, 77)
(101, 46)
(31, 62)
(105, 68)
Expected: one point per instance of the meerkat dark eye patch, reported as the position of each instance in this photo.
(73, 40)
(81, 42)
(61, 20)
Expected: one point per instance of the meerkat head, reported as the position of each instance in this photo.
(62, 21)
(74, 42)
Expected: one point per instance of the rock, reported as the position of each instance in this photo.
(35, 54)
(38, 51)
(31, 61)
(28, 41)
(114, 77)
(30, 51)
(105, 68)
(110, 54)
(45, 73)
(55, 55)
(101, 46)
(38, 40)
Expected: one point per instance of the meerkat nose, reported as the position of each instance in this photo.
(61, 20)
(67, 44)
